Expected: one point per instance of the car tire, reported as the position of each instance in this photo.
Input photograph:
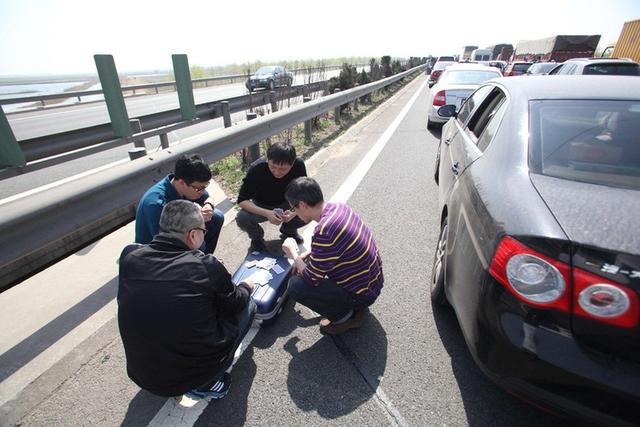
(438, 274)
(272, 85)
(436, 172)
(430, 124)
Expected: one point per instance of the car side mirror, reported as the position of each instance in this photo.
(447, 111)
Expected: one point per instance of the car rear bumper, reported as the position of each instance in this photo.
(549, 368)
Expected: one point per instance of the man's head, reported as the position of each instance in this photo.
(305, 196)
(183, 219)
(191, 176)
(280, 158)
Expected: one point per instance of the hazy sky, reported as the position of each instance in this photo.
(61, 36)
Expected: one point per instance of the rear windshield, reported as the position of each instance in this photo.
(541, 68)
(521, 67)
(469, 77)
(592, 141)
(613, 69)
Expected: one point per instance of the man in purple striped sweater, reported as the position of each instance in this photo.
(342, 273)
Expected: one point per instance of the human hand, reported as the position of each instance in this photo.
(290, 247)
(299, 266)
(274, 218)
(288, 215)
(249, 282)
(207, 212)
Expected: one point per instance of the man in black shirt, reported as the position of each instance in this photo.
(261, 196)
(181, 318)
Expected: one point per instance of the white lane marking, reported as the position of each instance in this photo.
(62, 181)
(173, 413)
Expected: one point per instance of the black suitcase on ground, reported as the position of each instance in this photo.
(269, 298)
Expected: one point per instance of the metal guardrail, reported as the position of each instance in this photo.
(133, 88)
(55, 144)
(39, 229)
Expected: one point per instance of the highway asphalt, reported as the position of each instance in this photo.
(407, 365)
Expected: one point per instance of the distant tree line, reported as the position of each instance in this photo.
(349, 75)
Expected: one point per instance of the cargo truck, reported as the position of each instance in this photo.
(628, 44)
(557, 48)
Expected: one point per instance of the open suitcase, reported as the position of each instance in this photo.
(274, 271)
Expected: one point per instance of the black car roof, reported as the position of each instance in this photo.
(572, 87)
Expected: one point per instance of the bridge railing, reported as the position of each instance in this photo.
(39, 229)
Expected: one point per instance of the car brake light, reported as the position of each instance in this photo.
(599, 299)
(532, 277)
(541, 281)
(440, 98)
(435, 74)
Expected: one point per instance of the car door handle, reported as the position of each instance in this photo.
(447, 141)
(455, 168)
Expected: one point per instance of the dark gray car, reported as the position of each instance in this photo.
(269, 77)
(539, 248)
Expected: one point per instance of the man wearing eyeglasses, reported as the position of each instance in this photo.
(180, 316)
(189, 181)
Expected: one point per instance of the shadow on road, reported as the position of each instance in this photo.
(142, 408)
(336, 375)
(485, 403)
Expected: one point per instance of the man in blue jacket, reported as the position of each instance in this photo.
(189, 181)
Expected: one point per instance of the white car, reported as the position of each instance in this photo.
(454, 86)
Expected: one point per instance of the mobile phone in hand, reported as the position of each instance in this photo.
(278, 211)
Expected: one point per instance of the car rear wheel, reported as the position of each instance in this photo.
(438, 270)
(430, 124)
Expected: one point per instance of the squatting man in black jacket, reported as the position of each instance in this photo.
(181, 318)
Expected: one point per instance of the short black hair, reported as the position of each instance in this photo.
(191, 168)
(304, 189)
(281, 152)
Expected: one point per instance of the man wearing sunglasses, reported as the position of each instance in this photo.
(180, 316)
(189, 181)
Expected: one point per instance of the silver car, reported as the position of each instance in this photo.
(454, 86)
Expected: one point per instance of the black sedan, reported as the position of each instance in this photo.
(539, 248)
(269, 78)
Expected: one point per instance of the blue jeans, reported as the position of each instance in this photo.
(327, 299)
(245, 319)
(214, 226)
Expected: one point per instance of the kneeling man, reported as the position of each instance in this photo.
(180, 316)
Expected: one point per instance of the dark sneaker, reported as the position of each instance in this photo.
(356, 320)
(258, 245)
(298, 238)
(216, 391)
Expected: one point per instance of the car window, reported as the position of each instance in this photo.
(594, 141)
(472, 102)
(484, 114)
(498, 107)
(567, 69)
(612, 69)
(469, 77)
(521, 67)
(556, 70)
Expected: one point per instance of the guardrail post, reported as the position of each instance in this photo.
(113, 95)
(164, 141)
(273, 101)
(184, 86)
(307, 123)
(226, 114)
(355, 102)
(11, 154)
(336, 113)
(253, 151)
(136, 153)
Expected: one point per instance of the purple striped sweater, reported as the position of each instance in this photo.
(343, 249)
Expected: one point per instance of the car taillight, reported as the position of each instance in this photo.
(440, 98)
(600, 299)
(508, 73)
(542, 281)
(435, 74)
(532, 277)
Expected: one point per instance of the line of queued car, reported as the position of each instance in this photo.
(539, 249)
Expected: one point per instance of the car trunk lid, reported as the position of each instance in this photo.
(602, 224)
